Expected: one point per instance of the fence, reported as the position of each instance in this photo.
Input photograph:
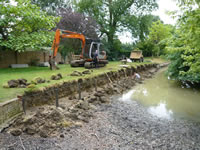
(11, 57)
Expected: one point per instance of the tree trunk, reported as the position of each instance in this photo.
(16, 57)
(111, 41)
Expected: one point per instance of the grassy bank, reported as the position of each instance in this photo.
(32, 72)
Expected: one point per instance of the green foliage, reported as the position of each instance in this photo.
(69, 46)
(185, 46)
(50, 6)
(155, 43)
(159, 32)
(114, 15)
(139, 26)
(25, 26)
(120, 49)
(146, 47)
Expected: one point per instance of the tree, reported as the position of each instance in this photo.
(184, 47)
(159, 31)
(111, 15)
(74, 21)
(25, 26)
(50, 6)
(157, 35)
(140, 26)
(156, 41)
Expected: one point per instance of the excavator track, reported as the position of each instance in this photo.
(77, 63)
(89, 65)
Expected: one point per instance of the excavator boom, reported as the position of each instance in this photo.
(66, 34)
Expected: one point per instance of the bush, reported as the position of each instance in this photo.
(34, 62)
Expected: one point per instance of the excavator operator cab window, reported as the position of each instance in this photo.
(94, 47)
(99, 47)
(102, 52)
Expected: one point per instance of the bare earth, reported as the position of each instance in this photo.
(118, 125)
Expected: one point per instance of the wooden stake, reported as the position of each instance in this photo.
(79, 90)
(56, 91)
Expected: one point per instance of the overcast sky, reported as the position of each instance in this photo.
(164, 6)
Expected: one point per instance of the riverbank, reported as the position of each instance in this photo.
(117, 125)
(32, 73)
(113, 124)
(48, 95)
(34, 122)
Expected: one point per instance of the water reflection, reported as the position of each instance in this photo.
(166, 99)
(127, 96)
(161, 111)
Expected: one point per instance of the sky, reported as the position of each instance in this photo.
(164, 6)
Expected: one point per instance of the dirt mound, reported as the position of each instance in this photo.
(76, 73)
(19, 83)
(57, 76)
(46, 121)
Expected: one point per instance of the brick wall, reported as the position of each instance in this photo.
(10, 57)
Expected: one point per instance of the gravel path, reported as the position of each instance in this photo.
(119, 125)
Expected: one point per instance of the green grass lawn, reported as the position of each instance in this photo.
(44, 72)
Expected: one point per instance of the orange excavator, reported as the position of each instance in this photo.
(89, 47)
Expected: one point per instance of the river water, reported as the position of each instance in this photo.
(166, 98)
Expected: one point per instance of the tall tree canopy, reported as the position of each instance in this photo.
(111, 15)
(24, 26)
(75, 21)
(156, 41)
(144, 24)
(50, 6)
(184, 47)
(139, 26)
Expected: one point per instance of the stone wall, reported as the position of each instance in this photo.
(10, 57)
(48, 94)
(9, 110)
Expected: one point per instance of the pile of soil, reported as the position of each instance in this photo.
(77, 73)
(49, 120)
(56, 77)
(19, 83)
(22, 83)
(45, 121)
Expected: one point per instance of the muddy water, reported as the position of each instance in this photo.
(167, 99)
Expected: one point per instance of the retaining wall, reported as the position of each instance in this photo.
(8, 110)
(48, 95)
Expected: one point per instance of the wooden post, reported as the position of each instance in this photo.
(24, 106)
(56, 91)
(131, 73)
(95, 84)
(79, 90)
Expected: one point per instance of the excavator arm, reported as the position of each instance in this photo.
(66, 34)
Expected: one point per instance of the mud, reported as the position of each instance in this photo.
(99, 121)
(118, 125)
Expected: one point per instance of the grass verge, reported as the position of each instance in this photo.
(44, 72)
